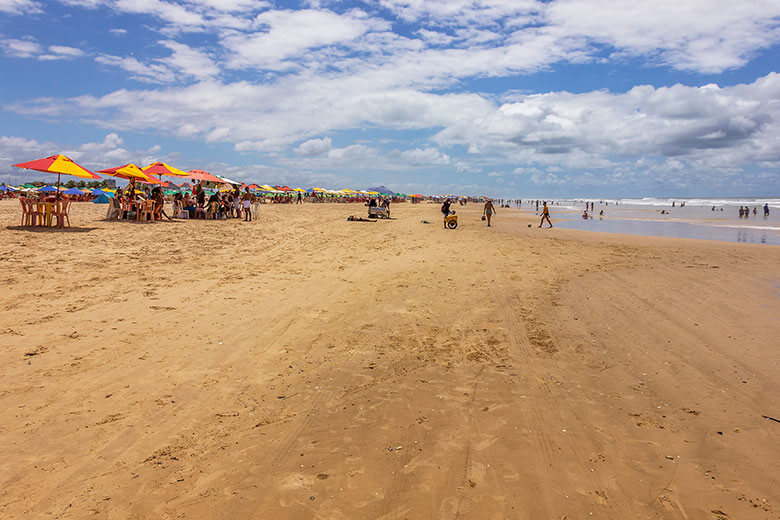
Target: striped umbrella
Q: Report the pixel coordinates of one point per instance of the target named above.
(60, 165)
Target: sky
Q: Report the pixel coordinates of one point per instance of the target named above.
(504, 98)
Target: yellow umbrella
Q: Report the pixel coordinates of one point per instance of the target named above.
(299, 189)
(128, 171)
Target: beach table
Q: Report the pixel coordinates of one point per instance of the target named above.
(37, 213)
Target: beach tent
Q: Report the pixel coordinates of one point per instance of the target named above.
(222, 178)
(102, 199)
(73, 191)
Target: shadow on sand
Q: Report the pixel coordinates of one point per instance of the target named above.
(37, 229)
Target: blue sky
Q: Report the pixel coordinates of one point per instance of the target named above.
(495, 97)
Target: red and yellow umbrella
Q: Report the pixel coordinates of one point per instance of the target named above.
(60, 165)
(160, 168)
(128, 172)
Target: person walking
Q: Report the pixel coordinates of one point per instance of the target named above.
(488, 211)
(545, 215)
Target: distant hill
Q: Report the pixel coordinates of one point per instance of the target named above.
(381, 189)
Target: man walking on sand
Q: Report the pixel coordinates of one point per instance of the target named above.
(488, 210)
(545, 215)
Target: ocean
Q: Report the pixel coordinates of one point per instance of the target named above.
(698, 218)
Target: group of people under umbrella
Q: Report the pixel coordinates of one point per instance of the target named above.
(133, 200)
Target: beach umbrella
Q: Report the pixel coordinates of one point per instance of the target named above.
(200, 175)
(60, 165)
(129, 172)
(160, 169)
(47, 189)
(73, 191)
(7, 188)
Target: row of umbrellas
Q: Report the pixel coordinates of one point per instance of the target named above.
(62, 165)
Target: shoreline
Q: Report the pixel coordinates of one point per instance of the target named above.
(302, 365)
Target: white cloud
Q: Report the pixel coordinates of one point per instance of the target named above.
(314, 148)
(20, 48)
(701, 35)
(285, 34)
(730, 123)
(65, 51)
(189, 61)
(29, 48)
(427, 156)
(19, 6)
(118, 32)
(93, 155)
(149, 73)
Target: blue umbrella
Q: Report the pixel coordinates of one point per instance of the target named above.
(47, 188)
(73, 191)
(7, 188)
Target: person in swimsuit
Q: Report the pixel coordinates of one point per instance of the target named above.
(545, 215)
(246, 202)
(488, 210)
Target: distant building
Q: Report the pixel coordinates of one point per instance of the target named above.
(111, 183)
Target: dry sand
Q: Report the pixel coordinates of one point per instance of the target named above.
(302, 366)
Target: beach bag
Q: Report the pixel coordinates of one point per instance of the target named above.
(483, 217)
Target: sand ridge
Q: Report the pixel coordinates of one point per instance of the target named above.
(302, 366)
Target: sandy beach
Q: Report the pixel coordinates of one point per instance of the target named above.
(302, 366)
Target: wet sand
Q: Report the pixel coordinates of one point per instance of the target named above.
(302, 366)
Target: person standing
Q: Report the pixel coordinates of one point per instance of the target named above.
(445, 210)
(246, 203)
(488, 211)
(766, 209)
(545, 215)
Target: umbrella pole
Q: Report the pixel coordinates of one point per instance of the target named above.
(58, 186)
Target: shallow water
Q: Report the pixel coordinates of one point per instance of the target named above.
(727, 232)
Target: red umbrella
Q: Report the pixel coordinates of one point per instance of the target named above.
(200, 175)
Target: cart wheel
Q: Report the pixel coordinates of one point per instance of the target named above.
(452, 224)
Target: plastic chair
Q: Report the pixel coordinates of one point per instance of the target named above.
(114, 210)
(60, 211)
(179, 211)
(25, 211)
(34, 213)
(146, 211)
